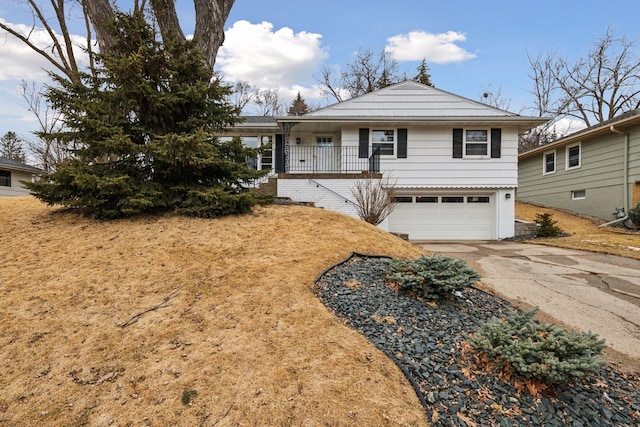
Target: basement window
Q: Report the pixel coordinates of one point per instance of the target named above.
(578, 194)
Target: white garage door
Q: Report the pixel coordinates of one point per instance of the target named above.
(444, 217)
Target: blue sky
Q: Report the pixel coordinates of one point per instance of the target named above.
(470, 46)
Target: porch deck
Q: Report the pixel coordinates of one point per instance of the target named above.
(330, 160)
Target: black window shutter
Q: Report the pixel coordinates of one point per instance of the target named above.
(279, 153)
(363, 151)
(496, 143)
(402, 143)
(457, 143)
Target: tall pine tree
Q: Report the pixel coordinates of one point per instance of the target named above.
(144, 133)
(298, 107)
(423, 75)
(11, 147)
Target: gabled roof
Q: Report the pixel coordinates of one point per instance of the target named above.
(617, 124)
(411, 101)
(18, 166)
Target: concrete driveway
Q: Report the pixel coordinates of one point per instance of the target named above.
(584, 290)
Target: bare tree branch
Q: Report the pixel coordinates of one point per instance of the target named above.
(367, 72)
(60, 61)
(592, 89)
(47, 152)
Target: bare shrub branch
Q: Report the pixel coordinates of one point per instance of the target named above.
(374, 198)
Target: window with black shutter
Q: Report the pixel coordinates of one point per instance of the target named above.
(477, 143)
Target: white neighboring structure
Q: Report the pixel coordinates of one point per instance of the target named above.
(11, 173)
(454, 160)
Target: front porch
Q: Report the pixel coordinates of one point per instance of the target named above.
(329, 159)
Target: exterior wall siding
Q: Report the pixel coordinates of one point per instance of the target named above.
(634, 166)
(505, 213)
(430, 161)
(600, 175)
(16, 189)
(332, 194)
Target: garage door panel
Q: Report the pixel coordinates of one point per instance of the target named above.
(444, 221)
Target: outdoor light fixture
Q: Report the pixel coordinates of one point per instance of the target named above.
(298, 141)
(508, 195)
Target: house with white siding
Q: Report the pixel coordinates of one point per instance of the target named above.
(11, 173)
(594, 172)
(453, 161)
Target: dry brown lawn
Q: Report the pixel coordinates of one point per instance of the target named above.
(110, 323)
(584, 233)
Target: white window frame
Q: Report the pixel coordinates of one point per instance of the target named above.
(394, 142)
(544, 162)
(486, 144)
(569, 147)
(575, 197)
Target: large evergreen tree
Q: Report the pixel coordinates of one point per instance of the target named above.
(143, 130)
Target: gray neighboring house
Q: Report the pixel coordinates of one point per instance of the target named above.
(11, 173)
(592, 172)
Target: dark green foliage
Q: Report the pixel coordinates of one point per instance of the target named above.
(546, 226)
(634, 215)
(215, 203)
(423, 75)
(143, 132)
(11, 147)
(187, 395)
(298, 107)
(433, 277)
(539, 351)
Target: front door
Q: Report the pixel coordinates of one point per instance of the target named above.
(323, 159)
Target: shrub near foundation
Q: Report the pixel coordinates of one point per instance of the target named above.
(433, 277)
(539, 351)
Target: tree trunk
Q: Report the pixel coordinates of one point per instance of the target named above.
(165, 12)
(101, 15)
(211, 16)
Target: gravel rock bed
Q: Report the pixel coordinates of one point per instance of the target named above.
(424, 340)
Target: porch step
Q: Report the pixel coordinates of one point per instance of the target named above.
(269, 187)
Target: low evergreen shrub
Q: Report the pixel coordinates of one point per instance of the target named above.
(634, 215)
(547, 226)
(539, 351)
(433, 277)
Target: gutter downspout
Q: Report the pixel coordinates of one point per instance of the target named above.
(625, 174)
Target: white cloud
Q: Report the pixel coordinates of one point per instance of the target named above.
(567, 126)
(267, 58)
(19, 61)
(436, 48)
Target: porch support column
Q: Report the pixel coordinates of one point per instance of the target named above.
(286, 132)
